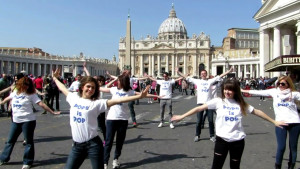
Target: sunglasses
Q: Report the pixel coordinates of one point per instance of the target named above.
(282, 84)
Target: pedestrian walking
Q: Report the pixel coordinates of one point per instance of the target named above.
(230, 109)
(285, 109)
(24, 120)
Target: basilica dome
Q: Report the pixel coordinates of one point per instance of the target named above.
(172, 27)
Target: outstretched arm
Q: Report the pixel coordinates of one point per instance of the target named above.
(264, 116)
(85, 69)
(5, 100)
(60, 86)
(112, 102)
(45, 107)
(10, 88)
(224, 74)
(177, 118)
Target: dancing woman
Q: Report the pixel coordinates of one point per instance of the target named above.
(24, 120)
(284, 97)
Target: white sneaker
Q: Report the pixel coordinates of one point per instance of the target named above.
(105, 166)
(160, 125)
(116, 164)
(172, 126)
(26, 166)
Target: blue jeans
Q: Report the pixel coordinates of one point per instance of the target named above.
(113, 127)
(210, 116)
(93, 149)
(281, 135)
(15, 130)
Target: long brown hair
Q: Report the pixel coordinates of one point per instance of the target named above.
(233, 85)
(25, 85)
(84, 81)
(124, 82)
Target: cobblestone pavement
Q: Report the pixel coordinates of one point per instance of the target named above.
(148, 146)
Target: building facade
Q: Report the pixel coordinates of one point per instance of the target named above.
(171, 48)
(240, 50)
(279, 37)
(37, 62)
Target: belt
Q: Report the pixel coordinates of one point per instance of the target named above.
(95, 139)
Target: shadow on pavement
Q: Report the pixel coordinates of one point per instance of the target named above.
(51, 139)
(157, 159)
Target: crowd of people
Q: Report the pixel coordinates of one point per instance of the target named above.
(89, 112)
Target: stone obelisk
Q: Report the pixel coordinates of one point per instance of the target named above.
(127, 64)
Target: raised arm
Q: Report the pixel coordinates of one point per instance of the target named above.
(151, 78)
(109, 75)
(108, 85)
(85, 69)
(112, 102)
(178, 79)
(264, 116)
(177, 118)
(224, 74)
(60, 86)
(181, 74)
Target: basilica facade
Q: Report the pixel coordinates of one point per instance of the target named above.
(171, 48)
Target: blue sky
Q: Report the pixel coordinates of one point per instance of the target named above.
(94, 27)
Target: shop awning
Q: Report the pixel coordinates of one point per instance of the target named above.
(283, 63)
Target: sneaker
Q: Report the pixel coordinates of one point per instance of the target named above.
(134, 124)
(105, 166)
(172, 126)
(197, 138)
(2, 162)
(116, 164)
(44, 112)
(24, 143)
(26, 166)
(160, 125)
(213, 139)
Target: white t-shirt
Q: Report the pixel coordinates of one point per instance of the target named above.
(119, 111)
(203, 88)
(74, 86)
(83, 116)
(229, 119)
(166, 88)
(22, 106)
(284, 104)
